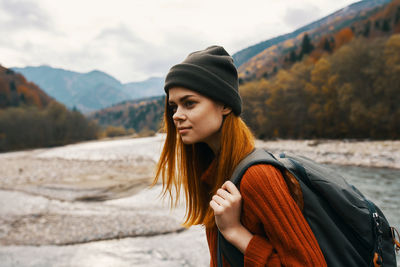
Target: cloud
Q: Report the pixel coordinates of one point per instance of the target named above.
(117, 50)
(133, 40)
(23, 14)
(118, 33)
(157, 58)
(134, 58)
(298, 17)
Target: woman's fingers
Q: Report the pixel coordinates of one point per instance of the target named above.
(224, 194)
(217, 208)
(220, 200)
(225, 198)
(231, 188)
(229, 192)
(226, 204)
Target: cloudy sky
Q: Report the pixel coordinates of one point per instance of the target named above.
(135, 39)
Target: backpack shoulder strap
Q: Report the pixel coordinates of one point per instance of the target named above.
(257, 156)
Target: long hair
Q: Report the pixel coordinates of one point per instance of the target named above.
(181, 166)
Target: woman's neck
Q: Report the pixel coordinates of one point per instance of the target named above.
(214, 142)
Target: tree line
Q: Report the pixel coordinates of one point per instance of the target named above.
(30, 126)
(29, 118)
(143, 117)
(351, 93)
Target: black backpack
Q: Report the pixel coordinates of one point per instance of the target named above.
(350, 230)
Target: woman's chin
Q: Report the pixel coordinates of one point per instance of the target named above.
(187, 141)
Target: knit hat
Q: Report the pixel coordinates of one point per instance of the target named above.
(210, 72)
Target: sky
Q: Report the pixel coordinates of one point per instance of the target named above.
(133, 40)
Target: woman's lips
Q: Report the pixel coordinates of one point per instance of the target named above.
(183, 130)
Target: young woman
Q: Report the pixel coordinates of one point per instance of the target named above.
(205, 140)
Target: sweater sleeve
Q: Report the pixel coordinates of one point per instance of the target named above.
(290, 241)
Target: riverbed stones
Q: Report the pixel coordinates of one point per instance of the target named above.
(64, 229)
(99, 190)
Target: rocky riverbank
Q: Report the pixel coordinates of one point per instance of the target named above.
(35, 220)
(59, 196)
(99, 190)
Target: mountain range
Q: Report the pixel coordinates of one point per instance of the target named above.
(269, 52)
(89, 91)
(336, 18)
(96, 90)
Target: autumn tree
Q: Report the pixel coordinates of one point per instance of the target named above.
(306, 46)
(367, 29)
(386, 25)
(352, 93)
(343, 37)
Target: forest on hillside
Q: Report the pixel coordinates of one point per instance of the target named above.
(142, 116)
(351, 93)
(15, 91)
(29, 118)
(382, 21)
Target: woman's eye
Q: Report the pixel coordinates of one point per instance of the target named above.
(186, 104)
(173, 109)
(189, 103)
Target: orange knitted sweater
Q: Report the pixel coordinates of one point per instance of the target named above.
(282, 237)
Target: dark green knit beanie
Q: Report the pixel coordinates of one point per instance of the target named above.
(210, 72)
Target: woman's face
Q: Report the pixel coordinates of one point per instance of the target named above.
(196, 117)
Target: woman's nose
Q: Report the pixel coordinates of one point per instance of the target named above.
(178, 115)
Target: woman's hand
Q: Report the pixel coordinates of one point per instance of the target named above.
(227, 204)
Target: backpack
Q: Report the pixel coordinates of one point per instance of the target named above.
(350, 229)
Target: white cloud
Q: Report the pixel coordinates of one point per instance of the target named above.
(23, 14)
(135, 39)
(298, 17)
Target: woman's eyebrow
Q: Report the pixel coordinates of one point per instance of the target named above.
(181, 99)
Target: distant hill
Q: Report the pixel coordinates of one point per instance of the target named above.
(16, 91)
(88, 91)
(350, 93)
(141, 114)
(29, 118)
(370, 19)
(153, 86)
(338, 19)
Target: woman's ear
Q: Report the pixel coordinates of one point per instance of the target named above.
(226, 110)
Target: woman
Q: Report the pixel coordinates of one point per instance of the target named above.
(205, 140)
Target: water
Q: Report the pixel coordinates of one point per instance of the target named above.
(187, 248)
(380, 185)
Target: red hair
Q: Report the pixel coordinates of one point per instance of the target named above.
(181, 166)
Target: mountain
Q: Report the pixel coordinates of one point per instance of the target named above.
(29, 118)
(334, 20)
(16, 91)
(340, 80)
(153, 86)
(140, 114)
(88, 91)
(370, 19)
